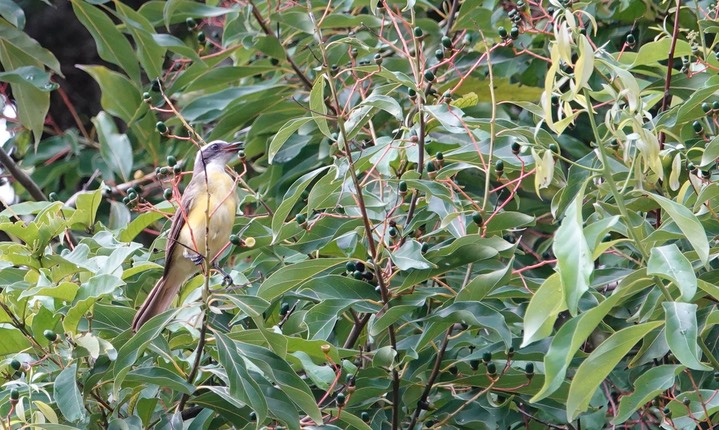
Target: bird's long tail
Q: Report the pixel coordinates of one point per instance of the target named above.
(160, 298)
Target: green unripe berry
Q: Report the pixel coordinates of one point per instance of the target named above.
(15, 364)
(477, 218)
(300, 218)
(359, 266)
(50, 335)
(667, 412)
(354, 53)
(515, 148)
(167, 194)
(350, 380)
(411, 92)
(499, 166)
(284, 308)
(514, 32)
(417, 32)
(14, 394)
(439, 156)
(52, 196)
(631, 40)
(125, 200)
(429, 75)
(553, 148)
(439, 54)
(164, 170)
(161, 128)
(502, 32)
(392, 232)
(350, 267)
(430, 167)
(402, 186)
(131, 195)
(378, 59)
(491, 368)
(358, 275)
(365, 416)
(235, 240)
(425, 247)
(686, 401)
(191, 24)
(487, 357)
(529, 368)
(156, 85)
(340, 399)
(474, 364)
(706, 107)
(171, 161)
(177, 169)
(715, 105)
(201, 37)
(146, 97)
(446, 42)
(697, 126)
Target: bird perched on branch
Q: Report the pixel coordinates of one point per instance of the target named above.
(188, 245)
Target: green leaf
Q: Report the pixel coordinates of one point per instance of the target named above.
(687, 223)
(112, 45)
(115, 148)
(161, 377)
(30, 75)
(546, 303)
(242, 386)
(291, 197)
(12, 36)
(669, 263)
(150, 54)
(409, 256)
(574, 259)
(281, 136)
(13, 13)
(318, 108)
(600, 363)
(13, 340)
(647, 387)
(292, 276)
(67, 395)
(681, 333)
(120, 97)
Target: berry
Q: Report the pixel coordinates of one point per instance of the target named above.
(14, 394)
(284, 308)
(359, 266)
(392, 232)
(514, 32)
(439, 156)
(146, 97)
(474, 364)
(50, 335)
(515, 148)
(201, 37)
(167, 194)
(350, 266)
(156, 85)
(477, 218)
(411, 92)
(429, 75)
(430, 167)
(171, 161)
(365, 416)
(553, 148)
(698, 128)
(425, 247)
(235, 240)
(446, 42)
(15, 364)
(706, 107)
(253, 416)
(502, 32)
(439, 54)
(340, 399)
(358, 275)
(177, 169)
(715, 105)
(529, 368)
(417, 32)
(378, 59)
(631, 40)
(350, 380)
(487, 357)
(52, 196)
(499, 166)
(402, 186)
(686, 401)
(300, 218)
(161, 128)
(491, 368)
(191, 24)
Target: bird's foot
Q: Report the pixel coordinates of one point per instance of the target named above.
(196, 258)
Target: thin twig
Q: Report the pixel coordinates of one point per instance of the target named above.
(432, 378)
(670, 66)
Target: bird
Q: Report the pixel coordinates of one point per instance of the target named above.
(187, 246)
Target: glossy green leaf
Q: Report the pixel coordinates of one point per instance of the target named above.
(681, 333)
(546, 303)
(293, 275)
(115, 148)
(600, 363)
(120, 97)
(67, 394)
(669, 263)
(647, 387)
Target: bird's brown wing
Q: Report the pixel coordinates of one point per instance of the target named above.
(178, 220)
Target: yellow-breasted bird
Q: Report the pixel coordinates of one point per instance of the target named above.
(187, 243)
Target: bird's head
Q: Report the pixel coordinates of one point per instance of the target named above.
(216, 153)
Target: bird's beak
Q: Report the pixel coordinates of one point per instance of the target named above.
(233, 147)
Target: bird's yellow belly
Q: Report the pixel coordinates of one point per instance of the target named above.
(222, 207)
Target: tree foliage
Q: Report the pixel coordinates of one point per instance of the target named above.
(473, 214)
